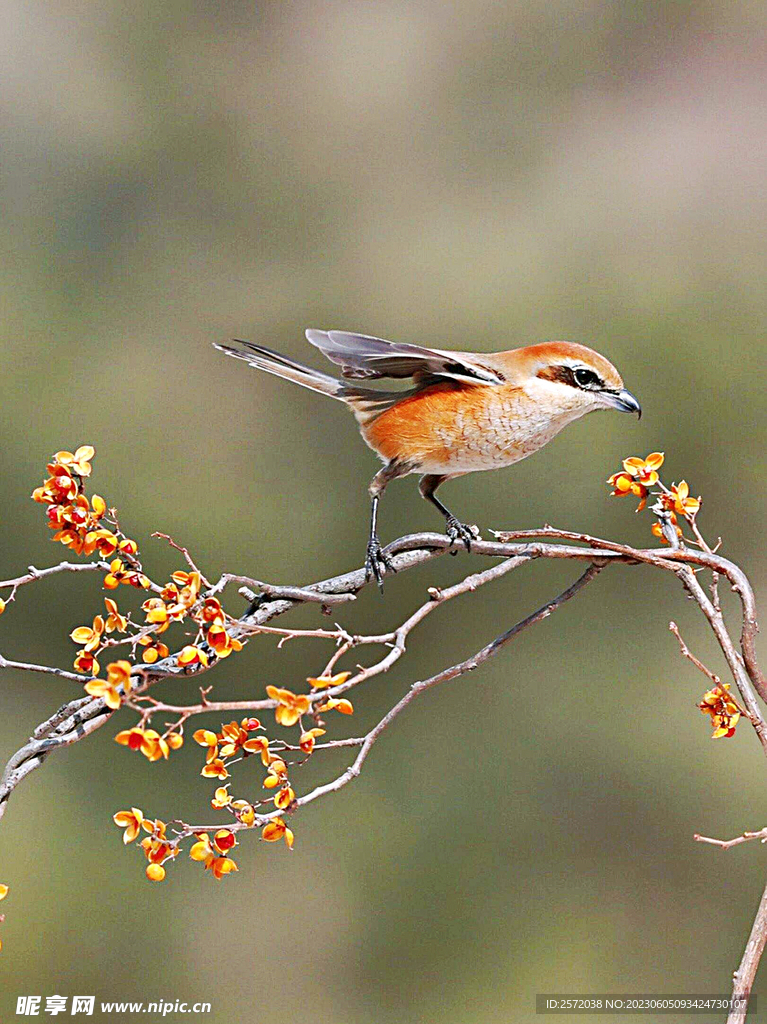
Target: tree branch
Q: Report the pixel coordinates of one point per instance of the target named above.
(414, 550)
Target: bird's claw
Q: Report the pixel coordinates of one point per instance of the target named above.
(461, 532)
(377, 562)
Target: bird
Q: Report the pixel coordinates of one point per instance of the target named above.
(465, 411)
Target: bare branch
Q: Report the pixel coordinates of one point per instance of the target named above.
(187, 557)
(34, 574)
(686, 653)
(23, 666)
(743, 979)
(291, 593)
(726, 844)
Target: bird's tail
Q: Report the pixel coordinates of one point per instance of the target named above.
(272, 362)
(364, 402)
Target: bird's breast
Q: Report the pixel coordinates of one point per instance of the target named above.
(455, 428)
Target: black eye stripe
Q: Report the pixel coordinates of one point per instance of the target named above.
(578, 377)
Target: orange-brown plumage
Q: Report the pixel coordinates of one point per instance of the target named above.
(422, 428)
(466, 411)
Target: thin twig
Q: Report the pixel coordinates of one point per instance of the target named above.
(726, 844)
(34, 574)
(50, 670)
(687, 653)
(187, 557)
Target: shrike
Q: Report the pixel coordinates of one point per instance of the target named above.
(466, 411)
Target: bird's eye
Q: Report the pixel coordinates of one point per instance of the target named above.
(586, 378)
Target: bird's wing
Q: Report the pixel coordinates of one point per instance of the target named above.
(360, 356)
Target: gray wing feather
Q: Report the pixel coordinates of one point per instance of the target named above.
(363, 357)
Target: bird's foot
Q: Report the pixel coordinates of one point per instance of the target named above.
(461, 532)
(377, 562)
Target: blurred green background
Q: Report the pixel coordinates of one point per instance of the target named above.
(469, 175)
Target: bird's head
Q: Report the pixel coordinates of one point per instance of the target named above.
(572, 379)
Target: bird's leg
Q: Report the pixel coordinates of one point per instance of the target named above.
(454, 529)
(377, 562)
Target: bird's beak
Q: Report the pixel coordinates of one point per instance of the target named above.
(624, 401)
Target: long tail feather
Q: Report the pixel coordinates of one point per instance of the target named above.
(365, 403)
(272, 362)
